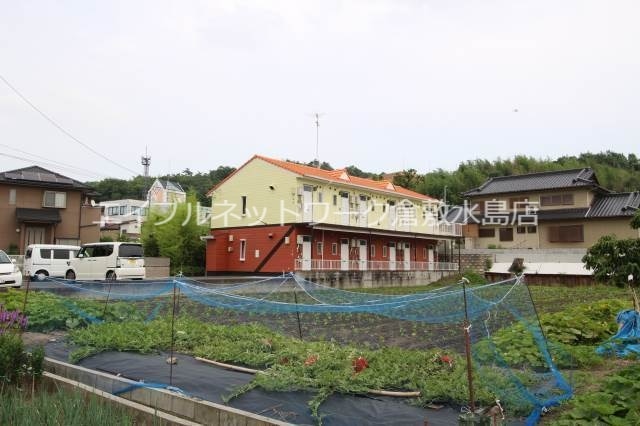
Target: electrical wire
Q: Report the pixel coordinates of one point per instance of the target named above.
(48, 164)
(39, 158)
(62, 129)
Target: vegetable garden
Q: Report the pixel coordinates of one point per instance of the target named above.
(299, 336)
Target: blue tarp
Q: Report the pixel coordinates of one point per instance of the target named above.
(627, 340)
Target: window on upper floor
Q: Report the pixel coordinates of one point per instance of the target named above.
(54, 199)
(113, 211)
(565, 199)
(517, 202)
(123, 210)
(12, 196)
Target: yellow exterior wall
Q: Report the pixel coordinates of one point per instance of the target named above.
(581, 198)
(284, 203)
(593, 229)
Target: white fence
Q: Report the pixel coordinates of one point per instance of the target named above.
(372, 265)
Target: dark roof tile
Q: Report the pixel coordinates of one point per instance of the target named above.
(536, 182)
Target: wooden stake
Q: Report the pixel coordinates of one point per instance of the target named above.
(467, 347)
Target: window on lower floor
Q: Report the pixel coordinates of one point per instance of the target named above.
(384, 251)
(373, 251)
(486, 232)
(424, 253)
(566, 234)
(521, 229)
(532, 229)
(334, 249)
(243, 250)
(506, 234)
(319, 247)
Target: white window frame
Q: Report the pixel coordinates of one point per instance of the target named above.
(59, 200)
(243, 250)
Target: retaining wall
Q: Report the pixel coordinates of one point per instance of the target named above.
(190, 409)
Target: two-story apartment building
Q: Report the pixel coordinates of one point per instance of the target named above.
(41, 206)
(125, 216)
(273, 216)
(558, 209)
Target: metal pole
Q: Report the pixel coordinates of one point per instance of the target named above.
(295, 297)
(26, 294)
(173, 334)
(467, 347)
(106, 303)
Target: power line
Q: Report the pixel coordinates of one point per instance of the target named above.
(76, 169)
(62, 129)
(48, 164)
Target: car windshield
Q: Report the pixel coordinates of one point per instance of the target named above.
(4, 258)
(130, 250)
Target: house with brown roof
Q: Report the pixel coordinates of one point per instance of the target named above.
(274, 216)
(41, 206)
(557, 209)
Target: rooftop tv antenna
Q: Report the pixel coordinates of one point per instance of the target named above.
(317, 121)
(146, 161)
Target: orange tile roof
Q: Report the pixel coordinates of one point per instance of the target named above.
(338, 176)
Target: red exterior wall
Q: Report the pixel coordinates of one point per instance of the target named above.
(269, 241)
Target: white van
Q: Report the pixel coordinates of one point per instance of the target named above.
(110, 261)
(47, 260)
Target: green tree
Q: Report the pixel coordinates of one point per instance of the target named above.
(613, 260)
(635, 222)
(175, 233)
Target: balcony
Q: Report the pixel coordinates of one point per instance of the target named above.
(372, 265)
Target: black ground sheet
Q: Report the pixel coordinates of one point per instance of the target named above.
(209, 382)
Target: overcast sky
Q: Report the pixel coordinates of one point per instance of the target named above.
(401, 83)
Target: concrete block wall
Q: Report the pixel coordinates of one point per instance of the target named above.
(193, 411)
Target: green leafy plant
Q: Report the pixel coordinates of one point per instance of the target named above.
(617, 402)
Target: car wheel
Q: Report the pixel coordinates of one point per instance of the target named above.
(40, 276)
(70, 275)
(111, 276)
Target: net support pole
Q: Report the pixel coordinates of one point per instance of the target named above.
(173, 334)
(26, 295)
(467, 347)
(106, 302)
(295, 298)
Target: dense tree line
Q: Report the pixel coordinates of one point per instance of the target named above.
(615, 171)
(198, 183)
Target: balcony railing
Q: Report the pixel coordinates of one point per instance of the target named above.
(372, 265)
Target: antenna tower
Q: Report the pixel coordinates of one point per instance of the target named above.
(145, 161)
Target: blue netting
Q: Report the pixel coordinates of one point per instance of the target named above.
(532, 383)
(627, 340)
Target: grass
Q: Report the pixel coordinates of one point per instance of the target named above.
(58, 408)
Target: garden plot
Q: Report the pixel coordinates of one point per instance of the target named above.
(318, 342)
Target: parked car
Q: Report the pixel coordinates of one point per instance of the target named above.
(48, 260)
(10, 275)
(111, 261)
